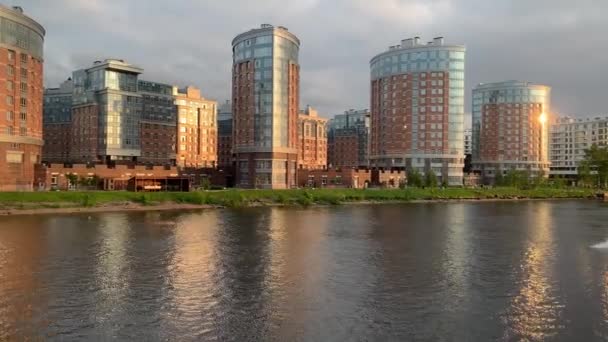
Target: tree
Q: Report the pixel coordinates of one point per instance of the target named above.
(430, 179)
(499, 180)
(414, 178)
(594, 167)
(72, 179)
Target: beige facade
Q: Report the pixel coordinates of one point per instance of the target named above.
(196, 128)
(312, 139)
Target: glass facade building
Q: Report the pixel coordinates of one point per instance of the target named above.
(265, 89)
(112, 86)
(417, 108)
(510, 128)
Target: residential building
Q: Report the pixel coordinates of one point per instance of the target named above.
(312, 140)
(106, 113)
(569, 138)
(265, 102)
(21, 59)
(196, 128)
(468, 151)
(347, 139)
(510, 128)
(224, 135)
(57, 121)
(417, 108)
(468, 141)
(158, 124)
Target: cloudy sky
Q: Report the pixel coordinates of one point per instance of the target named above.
(561, 43)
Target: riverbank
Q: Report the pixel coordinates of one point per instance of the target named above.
(13, 203)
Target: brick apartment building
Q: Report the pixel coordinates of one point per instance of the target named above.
(312, 140)
(347, 139)
(265, 106)
(21, 60)
(510, 128)
(158, 124)
(196, 128)
(417, 108)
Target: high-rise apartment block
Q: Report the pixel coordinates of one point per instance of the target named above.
(510, 128)
(224, 135)
(568, 140)
(312, 140)
(21, 59)
(158, 124)
(265, 102)
(57, 120)
(417, 108)
(106, 113)
(348, 139)
(197, 128)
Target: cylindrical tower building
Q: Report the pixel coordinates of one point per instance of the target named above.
(510, 128)
(265, 102)
(21, 60)
(417, 108)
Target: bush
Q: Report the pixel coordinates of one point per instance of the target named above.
(430, 179)
(414, 178)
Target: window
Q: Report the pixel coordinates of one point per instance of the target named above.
(23, 131)
(23, 102)
(14, 157)
(11, 56)
(10, 70)
(23, 116)
(9, 130)
(9, 85)
(10, 116)
(23, 87)
(23, 59)
(23, 74)
(10, 100)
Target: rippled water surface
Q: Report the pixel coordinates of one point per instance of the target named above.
(440, 272)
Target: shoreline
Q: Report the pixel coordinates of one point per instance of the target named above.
(137, 207)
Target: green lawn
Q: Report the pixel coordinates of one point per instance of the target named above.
(243, 198)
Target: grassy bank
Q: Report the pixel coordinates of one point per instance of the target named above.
(243, 198)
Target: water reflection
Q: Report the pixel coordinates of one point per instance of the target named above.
(535, 311)
(461, 271)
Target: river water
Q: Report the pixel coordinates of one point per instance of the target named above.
(441, 272)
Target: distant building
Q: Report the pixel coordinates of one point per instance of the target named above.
(57, 121)
(197, 128)
(312, 140)
(569, 138)
(21, 60)
(468, 150)
(417, 108)
(224, 135)
(348, 139)
(158, 125)
(468, 141)
(106, 113)
(265, 102)
(510, 128)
